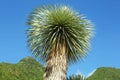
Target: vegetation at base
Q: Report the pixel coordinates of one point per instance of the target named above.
(26, 69)
(105, 73)
(76, 77)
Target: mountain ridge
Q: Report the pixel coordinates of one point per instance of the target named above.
(30, 69)
(105, 73)
(26, 69)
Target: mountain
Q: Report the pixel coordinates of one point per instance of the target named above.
(27, 69)
(105, 73)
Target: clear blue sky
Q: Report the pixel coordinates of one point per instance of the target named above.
(105, 45)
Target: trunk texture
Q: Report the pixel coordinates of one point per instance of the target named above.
(56, 64)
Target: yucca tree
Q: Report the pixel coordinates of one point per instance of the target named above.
(58, 35)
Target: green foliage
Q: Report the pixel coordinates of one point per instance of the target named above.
(76, 77)
(26, 69)
(105, 73)
(30, 69)
(55, 25)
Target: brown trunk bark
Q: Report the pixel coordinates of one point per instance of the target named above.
(56, 65)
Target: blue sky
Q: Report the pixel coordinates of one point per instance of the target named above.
(105, 45)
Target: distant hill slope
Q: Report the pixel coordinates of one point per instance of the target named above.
(29, 69)
(105, 73)
(26, 69)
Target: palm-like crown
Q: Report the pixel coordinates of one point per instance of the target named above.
(54, 25)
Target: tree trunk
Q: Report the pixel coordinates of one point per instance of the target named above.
(56, 64)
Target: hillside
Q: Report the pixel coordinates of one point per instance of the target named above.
(105, 73)
(26, 69)
(29, 69)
